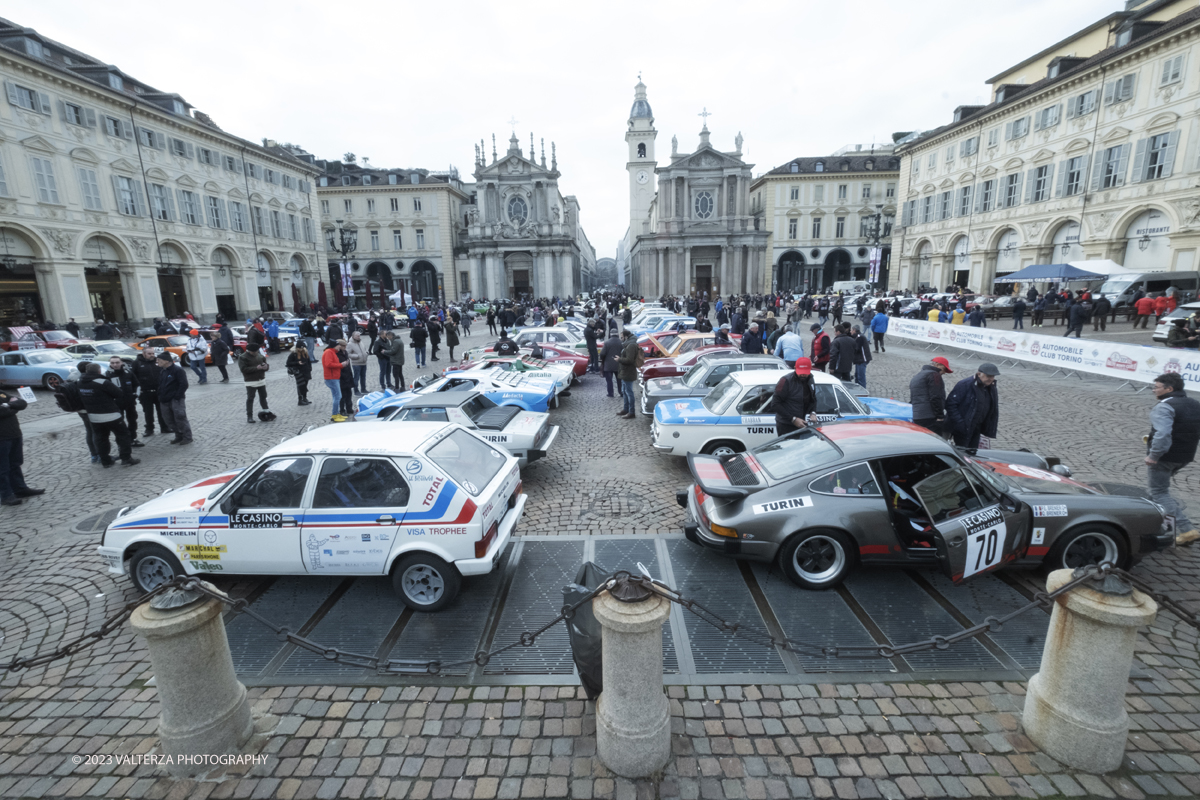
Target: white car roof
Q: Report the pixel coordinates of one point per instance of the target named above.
(360, 439)
(760, 377)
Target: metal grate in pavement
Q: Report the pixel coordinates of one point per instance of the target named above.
(535, 598)
(716, 583)
(820, 618)
(453, 634)
(95, 524)
(1022, 638)
(290, 602)
(618, 554)
(357, 623)
(905, 613)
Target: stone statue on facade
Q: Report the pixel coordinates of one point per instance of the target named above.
(674, 146)
(737, 141)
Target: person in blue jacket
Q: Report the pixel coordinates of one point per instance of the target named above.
(973, 407)
(879, 325)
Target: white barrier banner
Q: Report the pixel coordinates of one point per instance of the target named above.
(1131, 362)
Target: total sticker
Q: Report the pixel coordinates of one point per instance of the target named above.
(1039, 535)
(1049, 511)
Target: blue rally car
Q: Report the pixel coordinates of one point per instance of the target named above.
(736, 415)
(502, 388)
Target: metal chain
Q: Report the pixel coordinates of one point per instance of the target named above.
(481, 658)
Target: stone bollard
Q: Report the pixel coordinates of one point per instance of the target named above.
(204, 710)
(633, 716)
(1075, 704)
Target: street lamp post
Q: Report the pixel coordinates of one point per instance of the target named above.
(343, 242)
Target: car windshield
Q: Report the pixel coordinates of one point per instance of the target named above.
(795, 454)
(48, 357)
(695, 376)
(470, 461)
(722, 395)
(1112, 287)
(665, 342)
(56, 336)
(681, 359)
(177, 341)
(113, 348)
(476, 406)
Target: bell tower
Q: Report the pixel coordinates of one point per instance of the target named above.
(643, 183)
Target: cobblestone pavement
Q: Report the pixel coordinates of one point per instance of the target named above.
(755, 741)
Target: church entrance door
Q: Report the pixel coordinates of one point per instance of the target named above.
(521, 287)
(704, 280)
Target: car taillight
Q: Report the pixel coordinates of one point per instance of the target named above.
(700, 498)
(481, 547)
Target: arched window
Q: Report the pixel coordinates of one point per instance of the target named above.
(641, 151)
(820, 166)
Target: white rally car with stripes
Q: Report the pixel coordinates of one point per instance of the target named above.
(425, 508)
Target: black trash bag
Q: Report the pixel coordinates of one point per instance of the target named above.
(584, 629)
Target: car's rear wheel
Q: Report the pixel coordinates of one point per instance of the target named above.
(425, 582)
(1088, 545)
(817, 559)
(151, 566)
(51, 381)
(723, 447)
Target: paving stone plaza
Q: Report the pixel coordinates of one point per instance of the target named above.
(746, 724)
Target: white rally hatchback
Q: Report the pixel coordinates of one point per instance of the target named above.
(426, 508)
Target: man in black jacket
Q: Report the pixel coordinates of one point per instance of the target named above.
(148, 375)
(927, 395)
(590, 335)
(1100, 312)
(795, 399)
(973, 407)
(102, 402)
(123, 377)
(841, 353)
(752, 343)
(1171, 446)
(12, 455)
(172, 389)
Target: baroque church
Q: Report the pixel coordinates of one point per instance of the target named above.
(523, 238)
(691, 229)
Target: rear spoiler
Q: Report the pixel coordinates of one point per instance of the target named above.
(710, 475)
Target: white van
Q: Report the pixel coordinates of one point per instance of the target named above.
(851, 287)
(1120, 289)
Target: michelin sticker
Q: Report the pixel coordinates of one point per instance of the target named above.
(783, 505)
(1049, 511)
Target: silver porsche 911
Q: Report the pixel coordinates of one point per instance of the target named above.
(821, 500)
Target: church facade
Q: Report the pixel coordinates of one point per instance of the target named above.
(523, 238)
(691, 227)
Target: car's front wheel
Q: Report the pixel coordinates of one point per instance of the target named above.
(722, 448)
(152, 566)
(1088, 545)
(817, 559)
(425, 582)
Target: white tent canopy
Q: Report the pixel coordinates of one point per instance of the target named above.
(401, 299)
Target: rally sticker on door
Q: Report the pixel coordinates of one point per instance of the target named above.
(985, 540)
(1049, 511)
(256, 520)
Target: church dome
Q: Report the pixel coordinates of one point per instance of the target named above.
(641, 106)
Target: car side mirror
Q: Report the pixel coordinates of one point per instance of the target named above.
(1009, 503)
(227, 505)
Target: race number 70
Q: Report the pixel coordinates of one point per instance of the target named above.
(985, 549)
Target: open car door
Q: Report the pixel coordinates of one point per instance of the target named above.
(975, 528)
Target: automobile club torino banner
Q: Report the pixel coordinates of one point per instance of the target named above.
(1116, 360)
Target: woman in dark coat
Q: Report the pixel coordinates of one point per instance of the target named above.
(451, 336)
(299, 366)
(219, 351)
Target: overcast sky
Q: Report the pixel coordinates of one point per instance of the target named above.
(416, 84)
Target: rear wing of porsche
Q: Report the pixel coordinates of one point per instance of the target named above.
(733, 477)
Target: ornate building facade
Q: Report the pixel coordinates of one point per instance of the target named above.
(1097, 158)
(691, 228)
(522, 238)
(407, 223)
(822, 213)
(120, 201)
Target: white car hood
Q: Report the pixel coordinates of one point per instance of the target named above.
(182, 502)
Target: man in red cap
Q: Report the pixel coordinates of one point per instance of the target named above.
(795, 400)
(927, 394)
